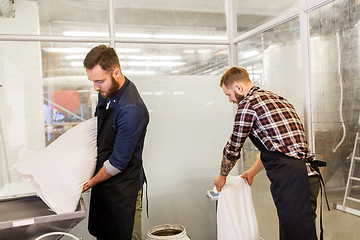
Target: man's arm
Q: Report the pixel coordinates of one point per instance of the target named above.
(101, 176)
(244, 121)
(226, 166)
(255, 169)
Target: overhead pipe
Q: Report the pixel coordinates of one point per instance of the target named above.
(6, 9)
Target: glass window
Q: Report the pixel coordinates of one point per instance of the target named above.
(58, 17)
(89, 19)
(69, 97)
(335, 97)
(251, 14)
(44, 92)
(335, 89)
(172, 59)
(170, 19)
(273, 60)
(21, 105)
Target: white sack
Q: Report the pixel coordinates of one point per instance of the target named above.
(59, 171)
(236, 219)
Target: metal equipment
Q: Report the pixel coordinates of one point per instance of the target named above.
(29, 217)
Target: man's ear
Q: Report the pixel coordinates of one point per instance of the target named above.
(116, 73)
(238, 88)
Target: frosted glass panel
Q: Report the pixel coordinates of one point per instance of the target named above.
(186, 19)
(172, 59)
(273, 60)
(190, 122)
(251, 14)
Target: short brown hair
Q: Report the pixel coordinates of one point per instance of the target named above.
(105, 56)
(233, 74)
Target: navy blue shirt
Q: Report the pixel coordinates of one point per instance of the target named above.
(131, 118)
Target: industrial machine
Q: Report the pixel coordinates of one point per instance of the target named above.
(28, 217)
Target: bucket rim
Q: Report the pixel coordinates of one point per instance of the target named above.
(167, 227)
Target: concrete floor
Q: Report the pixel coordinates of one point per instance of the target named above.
(339, 224)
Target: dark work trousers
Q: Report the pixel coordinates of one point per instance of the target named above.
(314, 184)
(291, 194)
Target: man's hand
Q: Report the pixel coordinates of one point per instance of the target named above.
(101, 176)
(219, 182)
(255, 169)
(87, 186)
(248, 176)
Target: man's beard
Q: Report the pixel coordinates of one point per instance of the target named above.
(239, 98)
(113, 89)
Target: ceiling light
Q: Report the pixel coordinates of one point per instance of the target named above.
(193, 51)
(86, 34)
(142, 35)
(72, 57)
(77, 64)
(202, 37)
(67, 50)
(204, 51)
(155, 57)
(250, 54)
(133, 35)
(133, 72)
(155, 64)
(146, 93)
(188, 51)
(128, 50)
(178, 93)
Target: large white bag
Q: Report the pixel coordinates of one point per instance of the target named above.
(236, 219)
(59, 171)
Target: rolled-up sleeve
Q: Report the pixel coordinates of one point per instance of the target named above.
(244, 121)
(130, 123)
(110, 169)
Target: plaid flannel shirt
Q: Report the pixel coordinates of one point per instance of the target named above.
(273, 120)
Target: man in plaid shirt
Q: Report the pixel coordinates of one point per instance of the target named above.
(274, 127)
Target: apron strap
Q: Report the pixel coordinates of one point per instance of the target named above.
(122, 90)
(146, 192)
(316, 164)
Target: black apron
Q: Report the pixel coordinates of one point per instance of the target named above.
(112, 202)
(291, 194)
